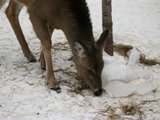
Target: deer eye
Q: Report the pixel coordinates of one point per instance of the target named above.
(90, 77)
(91, 71)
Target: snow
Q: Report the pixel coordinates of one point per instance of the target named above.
(23, 91)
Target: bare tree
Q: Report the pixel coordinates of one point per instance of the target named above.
(107, 24)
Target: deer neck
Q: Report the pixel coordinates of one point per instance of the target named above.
(73, 33)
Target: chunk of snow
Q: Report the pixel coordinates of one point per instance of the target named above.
(146, 87)
(119, 89)
(134, 56)
(117, 72)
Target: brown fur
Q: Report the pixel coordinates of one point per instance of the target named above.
(72, 17)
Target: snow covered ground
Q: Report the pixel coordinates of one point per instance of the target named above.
(131, 90)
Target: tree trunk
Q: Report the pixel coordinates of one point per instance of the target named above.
(107, 24)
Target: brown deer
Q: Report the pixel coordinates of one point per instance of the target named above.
(72, 17)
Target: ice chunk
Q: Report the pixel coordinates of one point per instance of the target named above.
(119, 89)
(146, 87)
(117, 72)
(134, 56)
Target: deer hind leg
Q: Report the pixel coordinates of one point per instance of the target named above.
(12, 13)
(42, 60)
(2, 2)
(42, 32)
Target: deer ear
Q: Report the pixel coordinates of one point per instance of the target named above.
(78, 49)
(102, 40)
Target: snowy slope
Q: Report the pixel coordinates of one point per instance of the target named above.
(24, 95)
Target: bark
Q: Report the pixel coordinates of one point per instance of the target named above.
(107, 24)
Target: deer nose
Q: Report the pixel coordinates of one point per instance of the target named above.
(98, 92)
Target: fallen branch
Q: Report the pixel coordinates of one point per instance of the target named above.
(148, 62)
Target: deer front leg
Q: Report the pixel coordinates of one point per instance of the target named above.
(12, 13)
(42, 60)
(42, 32)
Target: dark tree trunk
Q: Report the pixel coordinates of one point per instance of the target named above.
(107, 24)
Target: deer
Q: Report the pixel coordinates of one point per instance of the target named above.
(73, 18)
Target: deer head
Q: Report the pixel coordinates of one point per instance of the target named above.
(89, 62)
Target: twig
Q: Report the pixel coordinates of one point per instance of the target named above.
(149, 101)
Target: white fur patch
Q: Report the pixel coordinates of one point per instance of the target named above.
(78, 49)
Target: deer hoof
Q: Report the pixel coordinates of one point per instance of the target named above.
(43, 68)
(57, 89)
(54, 86)
(33, 60)
(98, 93)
